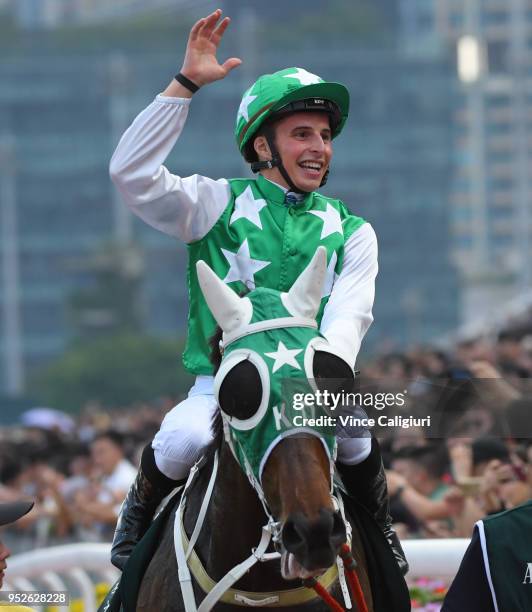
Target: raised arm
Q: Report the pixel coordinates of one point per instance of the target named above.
(186, 208)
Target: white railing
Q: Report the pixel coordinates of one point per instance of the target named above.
(434, 558)
(76, 568)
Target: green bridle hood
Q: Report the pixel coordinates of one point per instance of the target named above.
(278, 334)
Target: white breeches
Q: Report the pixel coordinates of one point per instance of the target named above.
(186, 431)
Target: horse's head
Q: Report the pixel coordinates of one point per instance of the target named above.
(273, 354)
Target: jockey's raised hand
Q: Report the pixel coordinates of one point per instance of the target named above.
(201, 65)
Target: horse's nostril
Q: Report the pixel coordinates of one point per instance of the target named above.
(314, 544)
(338, 534)
(293, 539)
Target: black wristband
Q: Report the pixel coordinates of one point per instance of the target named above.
(182, 79)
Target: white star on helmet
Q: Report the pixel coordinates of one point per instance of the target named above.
(243, 109)
(304, 77)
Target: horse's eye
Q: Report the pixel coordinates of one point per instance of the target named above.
(240, 393)
(331, 373)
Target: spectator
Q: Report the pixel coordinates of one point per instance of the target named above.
(502, 486)
(97, 506)
(424, 468)
(494, 478)
(423, 490)
(491, 386)
(511, 353)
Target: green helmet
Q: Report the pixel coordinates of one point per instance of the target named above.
(272, 92)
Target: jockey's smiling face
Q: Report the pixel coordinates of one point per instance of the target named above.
(305, 145)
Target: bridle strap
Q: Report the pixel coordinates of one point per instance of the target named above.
(233, 575)
(183, 572)
(204, 507)
(260, 326)
(275, 599)
(185, 578)
(237, 572)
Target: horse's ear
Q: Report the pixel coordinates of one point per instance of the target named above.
(304, 297)
(229, 310)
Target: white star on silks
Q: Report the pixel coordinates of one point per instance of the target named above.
(244, 106)
(330, 276)
(284, 356)
(246, 207)
(242, 267)
(303, 76)
(331, 221)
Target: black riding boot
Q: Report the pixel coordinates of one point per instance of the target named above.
(366, 482)
(151, 486)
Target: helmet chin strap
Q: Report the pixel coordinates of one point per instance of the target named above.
(277, 162)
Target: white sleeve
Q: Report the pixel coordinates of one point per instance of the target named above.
(347, 315)
(186, 208)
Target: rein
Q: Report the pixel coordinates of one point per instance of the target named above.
(187, 560)
(350, 563)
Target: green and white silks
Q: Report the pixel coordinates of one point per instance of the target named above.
(276, 332)
(260, 242)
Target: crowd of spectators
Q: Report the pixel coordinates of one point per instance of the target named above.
(78, 471)
(475, 459)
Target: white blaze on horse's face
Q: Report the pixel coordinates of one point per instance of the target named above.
(269, 341)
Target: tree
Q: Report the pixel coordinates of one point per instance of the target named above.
(115, 371)
(112, 301)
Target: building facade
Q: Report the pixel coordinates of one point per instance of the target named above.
(491, 198)
(60, 119)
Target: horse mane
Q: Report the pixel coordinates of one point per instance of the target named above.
(215, 356)
(217, 432)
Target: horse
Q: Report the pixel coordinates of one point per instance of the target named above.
(258, 516)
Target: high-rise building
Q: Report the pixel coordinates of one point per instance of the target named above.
(62, 118)
(52, 14)
(398, 170)
(491, 196)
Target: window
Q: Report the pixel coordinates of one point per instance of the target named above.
(495, 17)
(456, 19)
(498, 101)
(498, 57)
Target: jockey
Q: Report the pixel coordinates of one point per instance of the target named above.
(251, 232)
